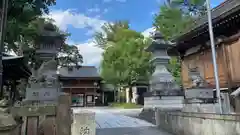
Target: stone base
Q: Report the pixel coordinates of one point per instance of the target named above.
(164, 102)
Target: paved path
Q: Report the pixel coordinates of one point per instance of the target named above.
(115, 122)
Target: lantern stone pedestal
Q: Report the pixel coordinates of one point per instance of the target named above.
(44, 86)
(164, 93)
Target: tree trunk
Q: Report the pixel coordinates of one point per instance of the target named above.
(130, 94)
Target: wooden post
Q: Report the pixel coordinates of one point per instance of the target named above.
(226, 65)
(64, 115)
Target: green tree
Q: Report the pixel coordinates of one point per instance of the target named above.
(190, 7)
(24, 24)
(175, 69)
(70, 55)
(177, 16)
(107, 37)
(126, 62)
(20, 13)
(171, 22)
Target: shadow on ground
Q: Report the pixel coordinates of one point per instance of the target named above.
(131, 131)
(145, 114)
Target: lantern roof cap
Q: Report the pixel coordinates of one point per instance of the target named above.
(159, 43)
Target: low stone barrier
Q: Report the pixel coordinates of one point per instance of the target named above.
(187, 123)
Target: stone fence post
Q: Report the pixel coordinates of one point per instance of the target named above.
(64, 115)
(83, 123)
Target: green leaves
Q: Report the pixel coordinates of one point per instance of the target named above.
(20, 15)
(170, 22)
(70, 55)
(125, 62)
(24, 26)
(175, 69)
(177, 18)
(108, 36)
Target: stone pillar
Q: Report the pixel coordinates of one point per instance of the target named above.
(83, 123)
(64, 115)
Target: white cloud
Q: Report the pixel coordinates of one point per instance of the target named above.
(147, 32)
(92, 55)
(77, 20)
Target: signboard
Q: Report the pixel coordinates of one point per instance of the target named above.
(42, 94)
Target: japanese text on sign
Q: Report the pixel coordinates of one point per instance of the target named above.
(84, 131)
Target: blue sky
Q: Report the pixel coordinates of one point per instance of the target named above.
(83, 17)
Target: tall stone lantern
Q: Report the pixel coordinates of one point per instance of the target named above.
(163, 88)
(49, 42)
(43, 84)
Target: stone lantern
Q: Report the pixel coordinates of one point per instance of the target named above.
(43, 84)
(49, 42)
(162, 83)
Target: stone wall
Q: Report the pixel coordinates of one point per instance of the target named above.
(183, 123)
(201, 108)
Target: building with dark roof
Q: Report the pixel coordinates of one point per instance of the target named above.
(83, 83)
(15, 69)
(194, 48)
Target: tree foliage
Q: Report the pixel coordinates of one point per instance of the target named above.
(190, 7)
(126, 62)
(178, 16)
(107, 36)
(175, 69)
(24, 23)
(69, 55)
(171, 22)
(20, 13)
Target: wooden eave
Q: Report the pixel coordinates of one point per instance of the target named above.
(220, 12)
(14, 68)
(225, 19)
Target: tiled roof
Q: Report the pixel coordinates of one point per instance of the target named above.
(81, 72)
(221, 11)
